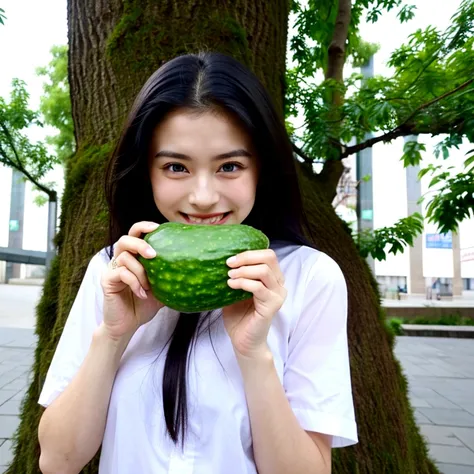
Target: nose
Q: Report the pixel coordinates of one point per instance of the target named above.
(203, 195)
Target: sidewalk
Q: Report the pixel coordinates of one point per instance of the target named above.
(440, 373)
(16, 358)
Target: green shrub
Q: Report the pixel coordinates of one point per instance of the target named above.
(395, 326)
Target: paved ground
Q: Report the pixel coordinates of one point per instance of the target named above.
(17, 305)
(16, 358)
(414, 301)
(440, 373)
(441, 379)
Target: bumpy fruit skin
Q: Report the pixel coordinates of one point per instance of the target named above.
(189, 273)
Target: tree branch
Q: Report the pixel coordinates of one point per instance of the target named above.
(436, 99)
(337, 47)
(302, 154)
(19, 166)
(333, 169)
(404, 128)
(12, 146)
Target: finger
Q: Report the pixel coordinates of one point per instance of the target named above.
(255, 257)
(124, 275)
(260, 272)
(133, 245)
(125, 259)
(142, 227)
(257, 288)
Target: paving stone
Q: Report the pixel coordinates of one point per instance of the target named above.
(6, 454)
(17, 338)
(26, 362)
(452, 454)
(8, 425)
(5, 369)
(423, 392)
(466, 435)
(448, 417)
(420, 418)
(455, 469)
(20, 395)
(12, 407)
(7, 379)
(441, 402)
(419, 403)
(469, 407)
(17, 384)
(6, 395)
(440, 435)
(461, 398)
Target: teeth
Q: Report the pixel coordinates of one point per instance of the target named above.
(210, 220)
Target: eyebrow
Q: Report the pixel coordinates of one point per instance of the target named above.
(231, 154)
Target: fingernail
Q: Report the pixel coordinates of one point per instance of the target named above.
(231, 260)
(153, 225)
(231, 273)
(150, 252)
(143, 293)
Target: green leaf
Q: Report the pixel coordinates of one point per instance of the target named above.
(40, 200)
(396, 237)
(406, 13)
(445, 153)
(469, 161)
(55, 103)
(435, 181)
(412, 155)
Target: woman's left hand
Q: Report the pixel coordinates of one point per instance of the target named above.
(248, 322)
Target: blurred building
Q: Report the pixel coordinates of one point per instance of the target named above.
(437, 264)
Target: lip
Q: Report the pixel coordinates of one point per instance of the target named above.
(207, 216)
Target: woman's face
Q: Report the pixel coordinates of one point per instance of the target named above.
(203, 169)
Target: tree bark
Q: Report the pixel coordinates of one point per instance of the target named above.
(114, 47)
(333, 167)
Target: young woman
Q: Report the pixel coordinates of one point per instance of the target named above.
(259, 386)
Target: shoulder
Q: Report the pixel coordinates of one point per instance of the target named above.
(97, 264)
(306, 266)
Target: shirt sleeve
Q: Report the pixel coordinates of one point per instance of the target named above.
(317, 374)
(85, 316)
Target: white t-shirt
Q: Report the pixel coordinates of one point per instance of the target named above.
(308, 340)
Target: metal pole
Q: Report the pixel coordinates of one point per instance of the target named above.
(365, 201)
(17, 210)
(52, 217)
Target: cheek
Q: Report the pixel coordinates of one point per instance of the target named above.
(243, 190)
(165, 191)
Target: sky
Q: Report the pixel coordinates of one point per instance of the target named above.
(32, 27)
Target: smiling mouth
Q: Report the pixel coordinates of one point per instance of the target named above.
(216, 220)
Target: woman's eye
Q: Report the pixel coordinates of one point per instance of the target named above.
(176, 167)
(229, 167)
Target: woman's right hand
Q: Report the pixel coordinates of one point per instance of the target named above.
(128, 300)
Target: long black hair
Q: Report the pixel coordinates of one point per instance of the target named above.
(202, 82)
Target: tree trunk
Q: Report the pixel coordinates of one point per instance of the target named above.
(114, 47)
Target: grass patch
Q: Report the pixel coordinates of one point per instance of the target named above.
(395, 324)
